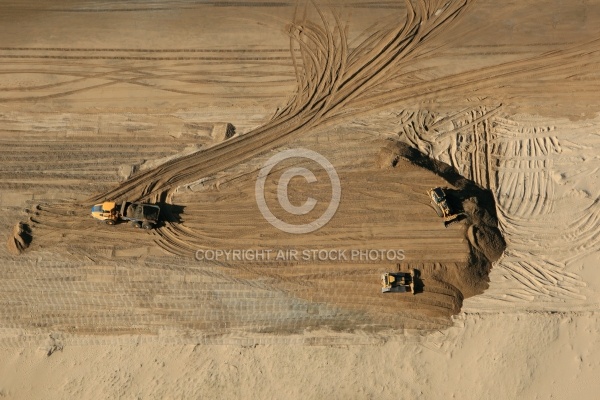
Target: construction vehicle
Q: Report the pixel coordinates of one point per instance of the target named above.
(139, 215)
(399, 282)
(439, 202)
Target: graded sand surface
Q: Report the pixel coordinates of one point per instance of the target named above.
(182, 103)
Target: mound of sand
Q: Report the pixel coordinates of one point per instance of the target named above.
(487, 240)
(483, 233)
(20, 238)
(477, 203)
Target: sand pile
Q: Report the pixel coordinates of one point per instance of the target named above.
(483, 233)
(477, 205)
(222, 131)
(20, 238)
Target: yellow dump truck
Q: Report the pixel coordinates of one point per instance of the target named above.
(139, 215)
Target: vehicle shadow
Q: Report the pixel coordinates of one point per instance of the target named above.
(418, 284)
(169, 213)
(465, 188)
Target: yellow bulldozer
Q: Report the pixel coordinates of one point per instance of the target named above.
(439, 202)
(399, 282)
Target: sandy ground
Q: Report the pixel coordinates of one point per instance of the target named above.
(132, 101)
(501, 355)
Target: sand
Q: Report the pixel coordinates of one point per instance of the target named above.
(182, 103)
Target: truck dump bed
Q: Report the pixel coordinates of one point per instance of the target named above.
(141, 212)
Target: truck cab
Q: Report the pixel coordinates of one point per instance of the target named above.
(106, 211)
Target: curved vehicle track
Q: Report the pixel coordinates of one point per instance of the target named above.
(335, 82)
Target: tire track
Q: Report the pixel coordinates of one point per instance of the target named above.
(138, 50)
(333, 80)
(323, 87)
(521, 161)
